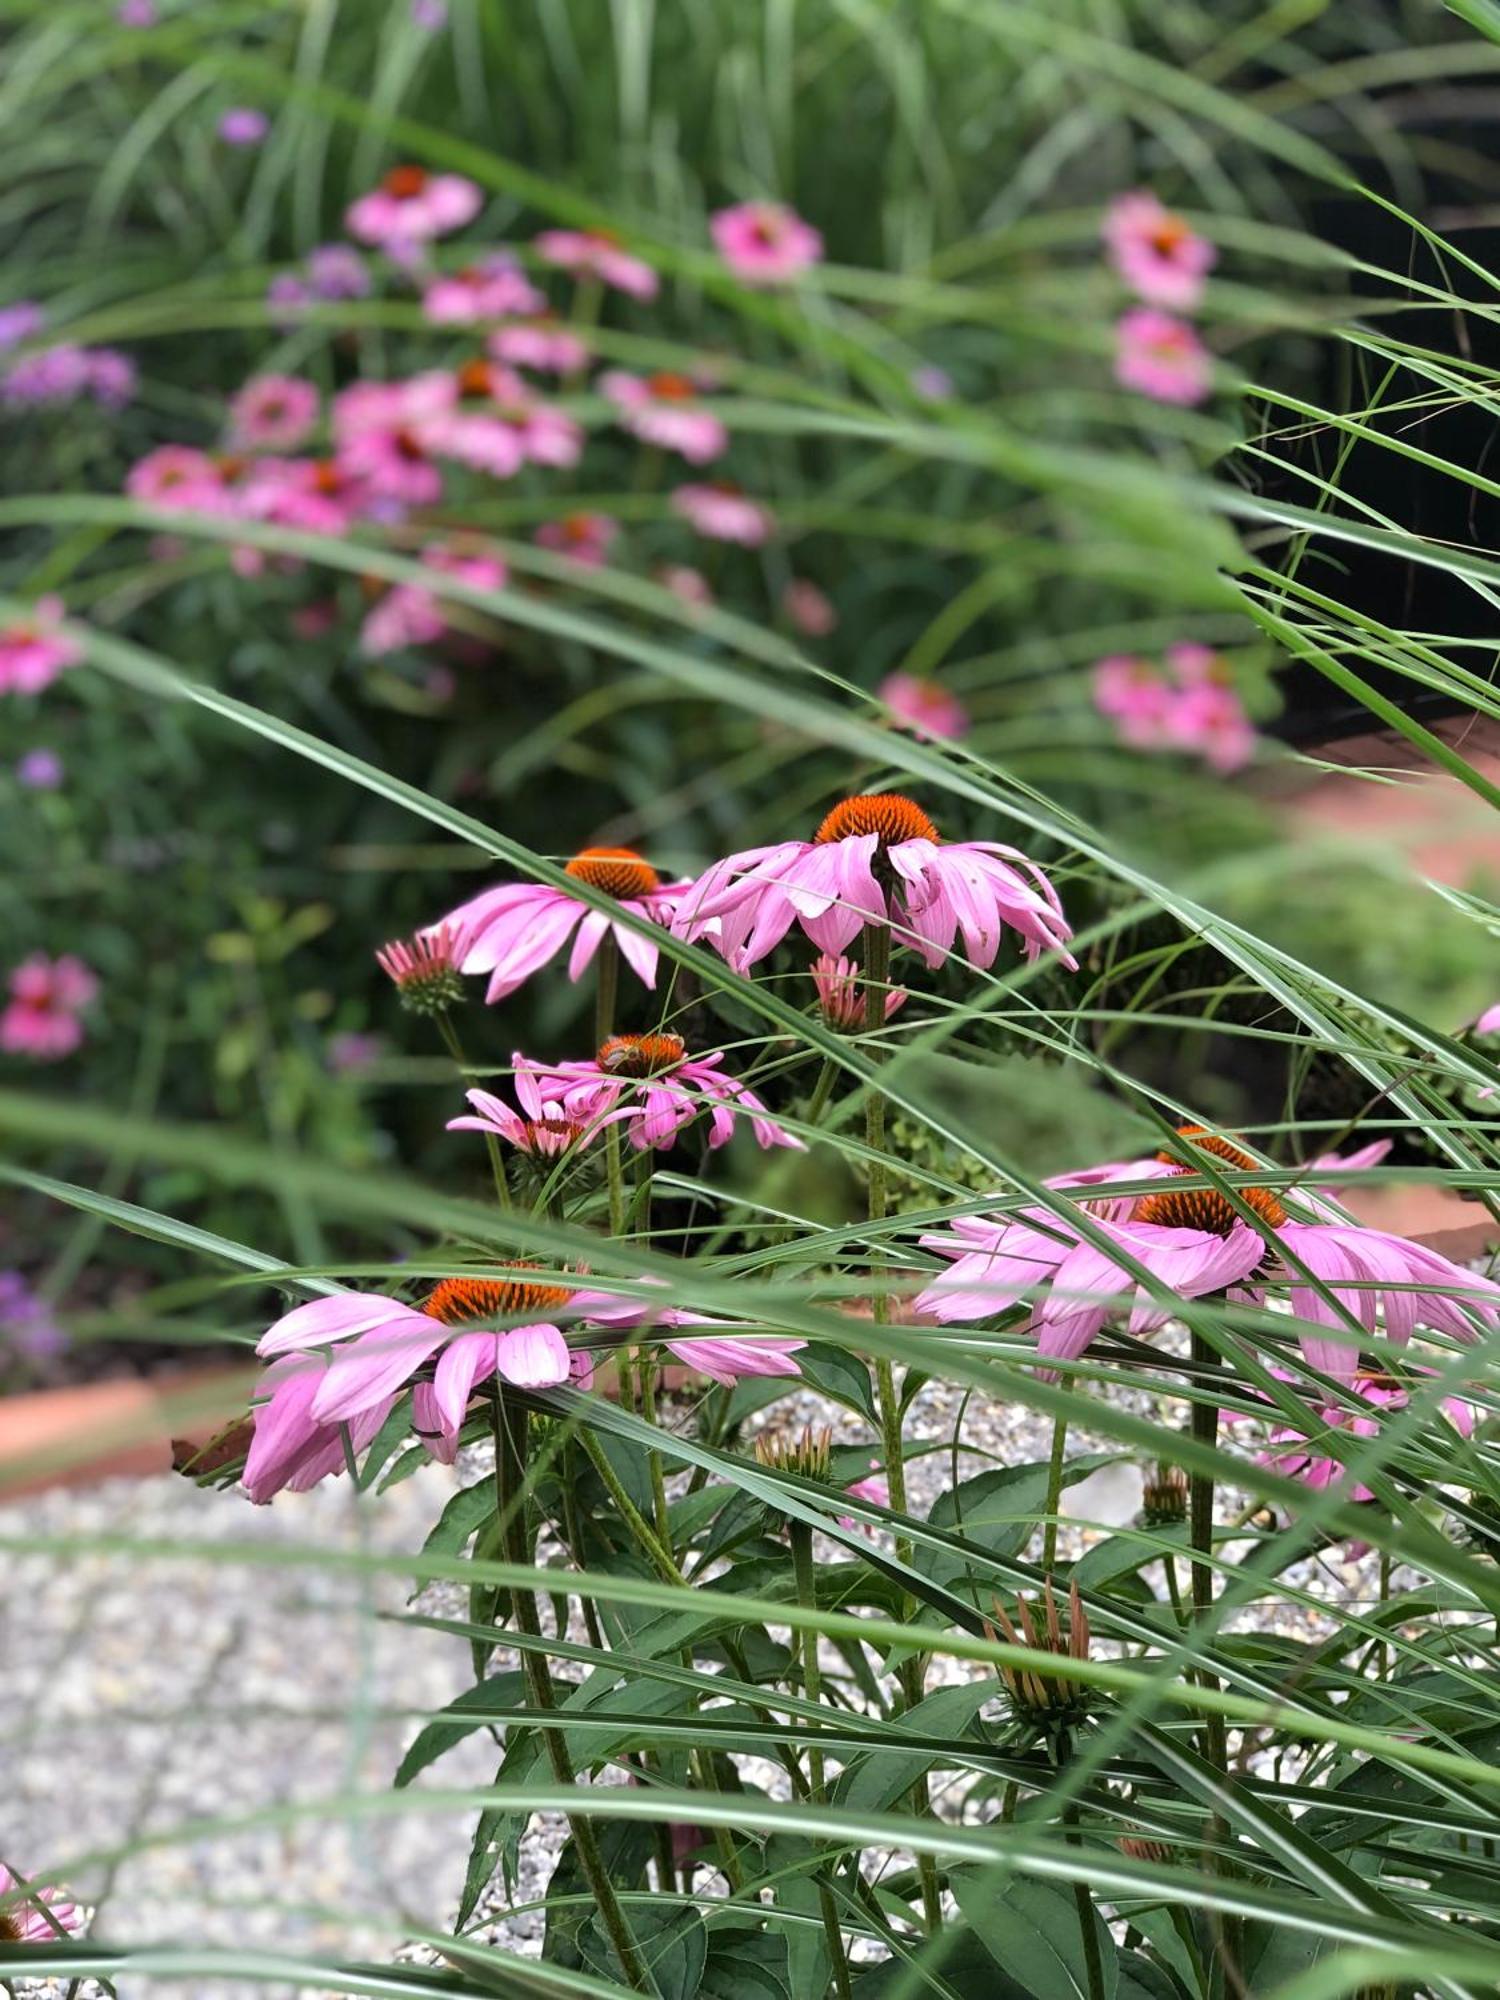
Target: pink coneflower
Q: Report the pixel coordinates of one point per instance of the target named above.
(723, 1356)
(874, 1487)
(20, 321)
(412, 615)
(583, 538)
(808, 609)
(841, 996)
(689, 586)
(291, 1451)
(426, 969)
(487, 289)
(40, 771)
(47, 997)
(1157, 254)
(383, 439)
(1133, 695)
(515, 930)
(273, 413)
(31, 1913)
(665, 410)
(34, 650)
(718, 510)
(411, 206)
(1489, 1021)
(1195, 1241)
(918, 703)
(651, 1085)
(1210, 720)
(1162, 357)
(488, 417)
(595, 253)
(546, 1124)
(764, 242)
(541, 342)
(242, 125)
(1291, 1448)
(876, 859)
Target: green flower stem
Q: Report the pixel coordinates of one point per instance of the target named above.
(1054, 1493)
(510, 1491)
(817, 1104)
(607, 967)
(455, 1049)
(876, 965)
(1084, 1904)
(1205, 1430)
(812, 1687)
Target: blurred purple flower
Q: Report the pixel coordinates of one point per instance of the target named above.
(136, 13)
(243, 125)
(28, 1327)
(351, 1053)
(430, 14)
(40, 771)
(20, 321)
(64, 374)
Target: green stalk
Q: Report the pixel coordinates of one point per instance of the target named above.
(822, 1090)
(1054, 1493)
(812, 1687)
(1083, 1903)
(607, 964)
(876, 965)
(1205, 1430)
(510, 1498)
(455, 1049)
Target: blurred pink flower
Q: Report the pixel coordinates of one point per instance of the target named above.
(513, 931)
(411, 615)
(1155, 251)
(1161, 357)
(936, 384)
(487, 289)
(540, 341)
(666, 410)
(490, 418)
(353, 1051)
(40, 771)
(765, 242)
(663, 1090)
(136, 13)
(242, 125)
(808, 609)
(429, 15)
(22, 1922)
(177, 475)
(920, 705)
(273, 413)
(47, 997)
(411, 206)
(841, 997)
(1489, 1021)
(34, 650)
(583, 538)
(595, 253)
(20, 321)
(691, 586)
(1211, 720)
(746, 904)
(719, 511)
(384, 442)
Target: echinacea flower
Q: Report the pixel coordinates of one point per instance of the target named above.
(490, 418)
(1195, 1241)
(919, 704)
(291, 1450)
(47, 997)
(1489, 1021)
(273, 413)
(718, 510)
(765, 242)
(666, 410)
(595, 253)
(718, 1349)
(1159, 256)
(34, 650)
(546, 1125)
(31, 1913)
(1292, 1448)
(876, 859)
(583, 538)
(654, 1088)
(487, 289)
(513, 931)
(1211, 721)
(409, 614)
(243, 125)
(177, 475)
(689, 586)
(411, 206)
(540, 341)
(426, 969)
(383, 439)
(808, 609)
(1161, 357)
(841, 996)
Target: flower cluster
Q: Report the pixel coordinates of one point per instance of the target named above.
(1193, 705)
(1164, 262)
(60, 373)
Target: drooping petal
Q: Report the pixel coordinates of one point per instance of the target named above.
(533, 1357)
(468, 1358)
(726, 1358)
(340, 1316)
(377, 1364)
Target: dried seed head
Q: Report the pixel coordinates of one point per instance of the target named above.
(1141, 1847)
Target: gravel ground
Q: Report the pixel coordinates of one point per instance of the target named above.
(139, 1697)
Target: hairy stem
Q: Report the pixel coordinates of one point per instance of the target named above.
(1054, 1493)
(812, 1687)
(1205, 1430)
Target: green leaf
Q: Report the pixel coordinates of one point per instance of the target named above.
(1031, 1931)
(673, 1943)
(746, 1964)
(880, 1779)
(997, 1511)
